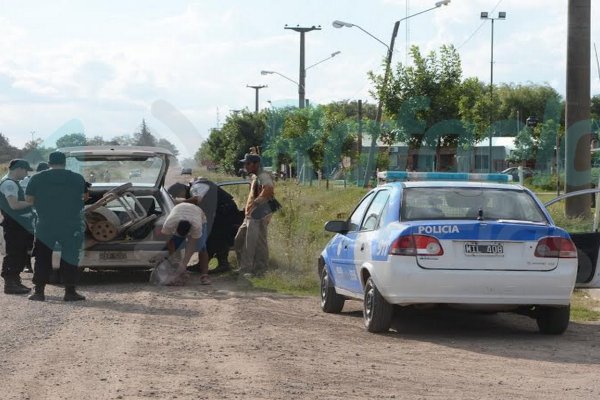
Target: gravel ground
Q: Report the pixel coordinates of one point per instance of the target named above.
(131, 340)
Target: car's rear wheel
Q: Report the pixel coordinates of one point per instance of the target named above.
(553, 320)
(331, 302)
(377, 312)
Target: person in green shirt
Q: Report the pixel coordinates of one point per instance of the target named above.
(58, 196)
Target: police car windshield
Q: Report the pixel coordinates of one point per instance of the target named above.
(117, 170)
(433, 203)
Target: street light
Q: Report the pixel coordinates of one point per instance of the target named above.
(263, 72)
(335, 53)
(501, 16)
(388, 63)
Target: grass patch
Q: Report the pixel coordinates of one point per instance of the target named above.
(584, 308)
(304, 286)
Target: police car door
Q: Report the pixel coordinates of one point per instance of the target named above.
(584, 233)
(366, 240)
(344, 271)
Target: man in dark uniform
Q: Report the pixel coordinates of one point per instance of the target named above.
(58, 196)
(18, 227)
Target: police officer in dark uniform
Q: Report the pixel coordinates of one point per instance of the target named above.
(58, 196)
(18, 227)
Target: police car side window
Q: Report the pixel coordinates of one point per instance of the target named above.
(372, 217)
(356, 218)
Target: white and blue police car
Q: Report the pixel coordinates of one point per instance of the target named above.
(453, 241)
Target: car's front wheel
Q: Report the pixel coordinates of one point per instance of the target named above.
(331, 302)
(553, 320)
(377, 312)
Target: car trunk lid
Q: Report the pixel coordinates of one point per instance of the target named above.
(486, 245)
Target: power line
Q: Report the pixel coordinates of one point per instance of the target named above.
(479, 27)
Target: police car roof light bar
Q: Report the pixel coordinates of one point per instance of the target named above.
(391, 176)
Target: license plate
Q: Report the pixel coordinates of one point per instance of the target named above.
(112, 256)
(484, 249)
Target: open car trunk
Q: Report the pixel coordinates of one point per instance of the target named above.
(127, 205)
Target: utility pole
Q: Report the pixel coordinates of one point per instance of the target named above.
(359, 140)
(256, 89)
(577, 114)
(302, 80)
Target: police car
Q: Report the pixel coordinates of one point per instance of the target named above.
(457, 242)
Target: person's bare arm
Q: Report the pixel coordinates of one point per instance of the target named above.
(18, 204)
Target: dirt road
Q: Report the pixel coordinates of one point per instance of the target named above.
(131, 340)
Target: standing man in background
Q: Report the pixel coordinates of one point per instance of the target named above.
(18, 227)
(58, 196)
(251, 244)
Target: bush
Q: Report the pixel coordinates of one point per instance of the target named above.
(544, 182)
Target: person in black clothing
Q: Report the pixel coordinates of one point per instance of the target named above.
(18, 227)
(227, 220)
(58, 196)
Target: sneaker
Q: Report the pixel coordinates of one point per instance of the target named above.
(205, 280)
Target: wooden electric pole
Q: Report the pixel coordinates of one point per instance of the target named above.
(577, 113)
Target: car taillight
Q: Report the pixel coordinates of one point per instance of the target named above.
(556, 247)
(412, 245)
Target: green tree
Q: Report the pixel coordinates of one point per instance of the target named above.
(203, 156)
(239, 132)
(96, 141)
(72, 140)
(144, 137)
(35, 152)
(424, 99)
(165, 144)
(123, 140)
(7, 151)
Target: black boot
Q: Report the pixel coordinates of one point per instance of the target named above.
(38, 293)
(12, 285)
(20, 284)
(72, 295)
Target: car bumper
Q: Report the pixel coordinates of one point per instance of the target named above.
(116, 259)
(410, 284)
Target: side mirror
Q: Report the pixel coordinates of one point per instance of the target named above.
(337, 226)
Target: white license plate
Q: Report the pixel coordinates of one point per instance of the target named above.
(112, 256)
(484, 249)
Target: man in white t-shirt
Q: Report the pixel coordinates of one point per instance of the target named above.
(18, 227)
(186, 223)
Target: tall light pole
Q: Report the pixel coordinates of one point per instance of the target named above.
(302, 80)
(256, 89)
(386, 76)
(265, 72)
(501, 16)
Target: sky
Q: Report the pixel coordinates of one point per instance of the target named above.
(100, 67)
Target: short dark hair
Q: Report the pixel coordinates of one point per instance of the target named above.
(183, 228)
(179, 190)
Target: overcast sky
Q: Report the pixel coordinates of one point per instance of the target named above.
(99, 67)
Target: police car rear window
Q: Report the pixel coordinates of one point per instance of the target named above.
(433, 203)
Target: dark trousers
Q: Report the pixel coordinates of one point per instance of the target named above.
(70, 241)
(18, 239)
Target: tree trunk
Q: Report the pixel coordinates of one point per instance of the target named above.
(578, 135)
